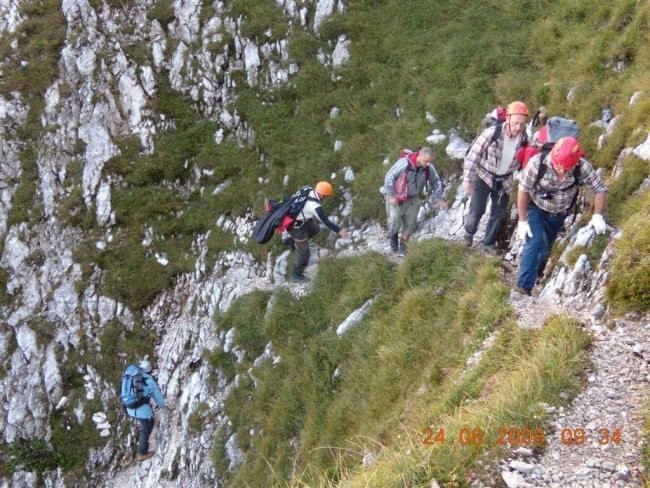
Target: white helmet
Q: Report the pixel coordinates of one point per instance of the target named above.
(145, 365)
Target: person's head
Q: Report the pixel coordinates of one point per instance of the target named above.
(542, 116)
(324, 189)
(517, 113)
(145, 365)
(424, 157)
(566, 153)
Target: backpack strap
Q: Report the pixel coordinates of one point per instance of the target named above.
(498, 128)
(546, 148)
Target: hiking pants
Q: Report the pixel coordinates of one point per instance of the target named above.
(146, 426)
(301, 234)
(545, 227)
(404, 215)
(477, 205)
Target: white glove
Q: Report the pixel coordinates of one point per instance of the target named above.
(523, 230)
(598, 223)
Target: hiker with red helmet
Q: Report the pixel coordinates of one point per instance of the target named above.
(547, 190)
(402, 186)
(487, 172)
(306, 225)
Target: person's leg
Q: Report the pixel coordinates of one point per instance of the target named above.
(394, 223)
(499, 205)
(477, 205)
(529, 264)
(301, 240)
(313, 227)
(411, 209)
(146, 426)
(553, 226)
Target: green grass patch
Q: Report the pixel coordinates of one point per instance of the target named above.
(522, 369)
(629, 283)
(428, 316)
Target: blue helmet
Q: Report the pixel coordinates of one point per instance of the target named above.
(145, 365)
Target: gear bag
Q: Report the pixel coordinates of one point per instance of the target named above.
(559, 127)
(281, 215)
(133, 387)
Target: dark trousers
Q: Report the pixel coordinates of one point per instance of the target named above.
(301, 235)
(146, 426)
(477, 205)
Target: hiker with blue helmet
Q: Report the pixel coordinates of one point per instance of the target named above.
(488, 172)
(142, 410)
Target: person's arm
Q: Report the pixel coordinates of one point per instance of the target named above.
(320, 215)
(435, 187)
(599, 202)
(522, 204)
(155, 393)
(473, 157)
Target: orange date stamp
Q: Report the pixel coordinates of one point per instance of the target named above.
(520, 437)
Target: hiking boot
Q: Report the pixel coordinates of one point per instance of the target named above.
(469, 239)
(144, 457)
(393, 243)
(403, 245)
(521, 290)
(490, 250)
(299, 279)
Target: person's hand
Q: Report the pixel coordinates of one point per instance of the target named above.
(598, 223)
(468, 188)
(442, 204)
(344, 234)
(393, 201)
(523, 230)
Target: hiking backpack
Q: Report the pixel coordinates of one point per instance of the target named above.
(281, 215)
(401, 182)
(132, 394)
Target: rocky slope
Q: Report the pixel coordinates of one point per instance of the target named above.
(101, 94)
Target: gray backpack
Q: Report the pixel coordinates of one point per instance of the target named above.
(559, 127)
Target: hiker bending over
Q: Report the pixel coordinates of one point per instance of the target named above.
(547, 190)
(487, 172)
(143, 412)
(306, 226)
(402, 186)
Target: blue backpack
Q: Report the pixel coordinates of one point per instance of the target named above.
(132, 394)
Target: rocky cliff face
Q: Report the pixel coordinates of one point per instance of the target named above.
(101, 93)
(52, 314)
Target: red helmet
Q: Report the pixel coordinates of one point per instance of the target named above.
(518, 108)
(566, 153)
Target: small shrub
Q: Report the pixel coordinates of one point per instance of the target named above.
(197, 418)
(33, 455)
(162, 11)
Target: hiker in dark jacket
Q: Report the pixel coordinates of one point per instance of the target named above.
(488, 172)
(543, 204)
(307, 226)
(418, 171)
(144, 413)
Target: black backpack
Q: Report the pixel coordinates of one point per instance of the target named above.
(280, 215)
